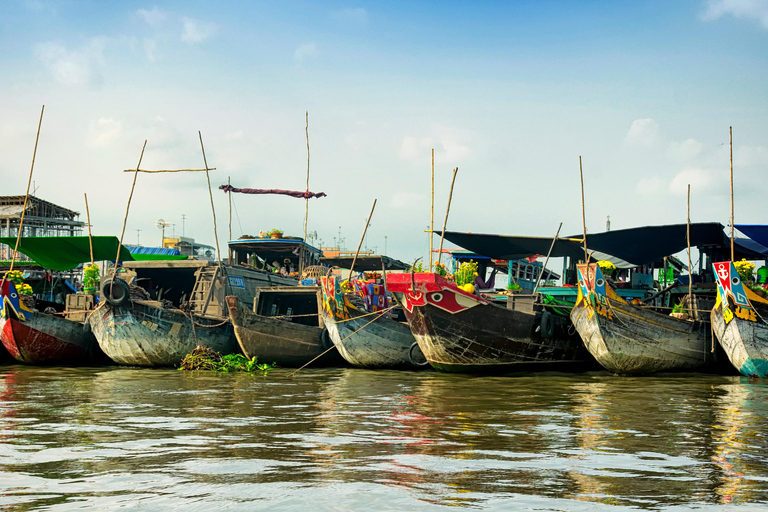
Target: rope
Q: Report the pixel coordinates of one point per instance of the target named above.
(339, 343)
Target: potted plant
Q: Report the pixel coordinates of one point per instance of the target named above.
(275, 233)
(91, 278)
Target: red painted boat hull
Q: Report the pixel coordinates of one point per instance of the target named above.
(47, 339)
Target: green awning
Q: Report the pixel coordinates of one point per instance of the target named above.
(67, 252)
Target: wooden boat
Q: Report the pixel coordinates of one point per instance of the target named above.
(285, 329)
(178, 305)
(365, 337)
(462, 332)
(739, 321)
(36, 338)
(627, 338)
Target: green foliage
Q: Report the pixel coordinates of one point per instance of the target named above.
(745, 269)
(417, 267)
(466, 273)
(91, 276)
(514, 286)
(440, 269)
(15, 276)
(203, 358)
(275, 232)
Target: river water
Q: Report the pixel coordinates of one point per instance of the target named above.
(346, 439)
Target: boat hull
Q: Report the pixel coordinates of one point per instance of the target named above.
(367, 340)
(738, 321)
(459, 332)
(43, 339)
(272, 340)
(628, 339)
(142, 333)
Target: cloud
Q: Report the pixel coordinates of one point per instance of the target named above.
(685, 150)
(700, 180)
(72, 67)
(304, 51)
(740, 9)
(643, 132)
(153, 17)
(406, 200)
(650, 186)
(196, 31)
(356, 15)
(103, 132)
(748, 156)
(149, 49)
(451, 146)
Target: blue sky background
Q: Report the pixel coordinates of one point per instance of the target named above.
(510, 93)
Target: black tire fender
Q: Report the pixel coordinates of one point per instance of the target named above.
(547, 325)
(416, 356)
(115, 291)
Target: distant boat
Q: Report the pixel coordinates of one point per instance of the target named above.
(627, 338)
(36, 338)
(740, 322)
(462, 332)
(365, 336)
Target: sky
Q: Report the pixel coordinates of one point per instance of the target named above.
(510, 93)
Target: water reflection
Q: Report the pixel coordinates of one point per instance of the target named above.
(112, 437)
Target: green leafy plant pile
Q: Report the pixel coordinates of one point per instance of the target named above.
(204, 358)
(91, 276)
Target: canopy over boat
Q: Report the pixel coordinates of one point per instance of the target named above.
(626, 248)
(366, 263)
(758, 234)
(67, 252)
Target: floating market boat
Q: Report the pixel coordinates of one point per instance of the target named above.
(39, 337)
(158, 311)
(363, 330)
(628, 338)
(740, 322)
(459, 331)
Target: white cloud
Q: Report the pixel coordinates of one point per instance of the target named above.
(701, 180)
(149, 49)
(643, 132)
(304, 51)
(741, 9)
(450, 144)
(407, 200)
(72, 67)
(356, 15)
(747, 156)
(153, 17)
(103, 132)
(196, 31)
(685, 150)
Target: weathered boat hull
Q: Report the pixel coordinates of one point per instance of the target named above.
(627, 339)
(47, 339)
(367, 340)
(142, 333)
(459, 332)
(738, 321)
(272, 340)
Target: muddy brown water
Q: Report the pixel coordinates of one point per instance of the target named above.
(346, 439)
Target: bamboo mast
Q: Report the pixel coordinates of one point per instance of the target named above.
(88, 217)
(432, 211)
(128, 206)
(352, 266)
(583, 214)
(688, 236)
(26, 196)
(306, 200)
(546, 261)
(208, 177)
(730, 132)
(445, 222)
(229, 197)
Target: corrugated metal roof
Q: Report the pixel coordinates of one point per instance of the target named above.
(137, 249)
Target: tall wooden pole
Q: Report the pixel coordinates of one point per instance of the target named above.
(352, 266)
(688, 236)
(26, 196)
(583, 214)
(229, 196)
(88, 218)
(730, 131)
(432, 211)
(306, 200)
(546, 261)
(445, 222)
(128, 206)
(210, 194)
